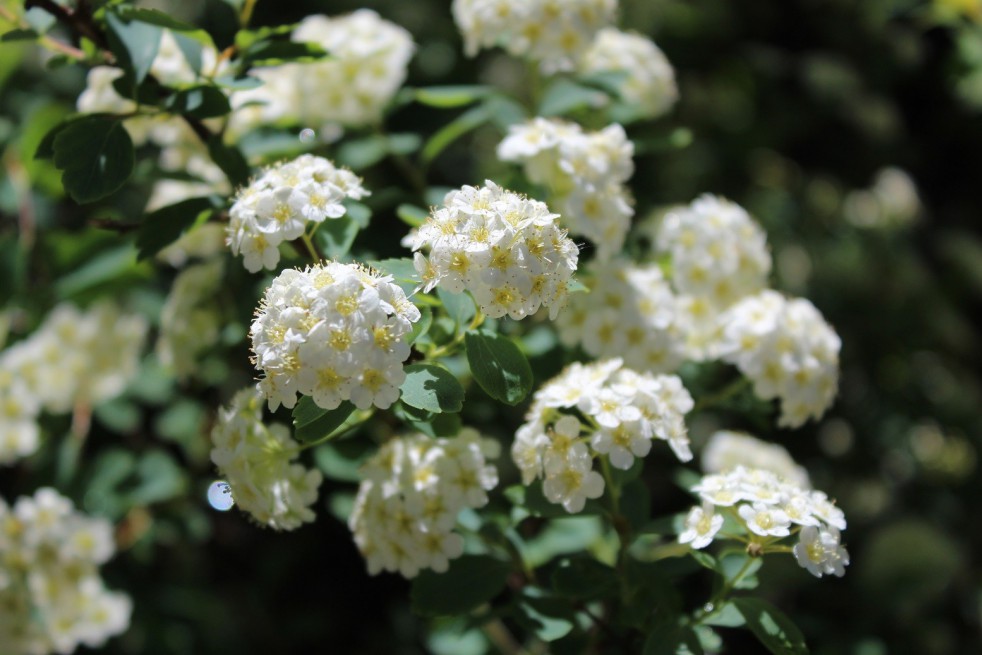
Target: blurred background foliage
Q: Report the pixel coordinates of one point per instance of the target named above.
(791, 108)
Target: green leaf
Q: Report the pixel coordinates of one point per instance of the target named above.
(471, 581)
(583, 577)
(135, 42)
(432, 388)
(430, 423)
(161, 478)
(466, 122)
(564, 96)
(446, 97)
(272, 52)
(421, 326)
(164, 226)
(774, 630)
(19, 35)
(664, 638)
(336, 463)
(335, 236)
(549, 617)
(459, 306)
(230, 160)
(727, 616)
(498, 366)
(311, 422)
(100, 270)
(412, 215)
(95, 155)
(199, 101)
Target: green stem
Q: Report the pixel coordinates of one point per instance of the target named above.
(311, 250)
(722, 594)
(246, 14)
(724, 394)
(451, 346)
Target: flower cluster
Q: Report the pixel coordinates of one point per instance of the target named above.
(411, 493)
(624, 411)
(726, 450)
(72, 358)
(367, 63)
(280, 204)
(556, 33)
(585, 173)
(630, 313)
(649, 79)
(189, 321)
(52, 595)
(767, 508)
(333, 332)
(891, 202)
(507, 250)
(258, 462)
(787, 349)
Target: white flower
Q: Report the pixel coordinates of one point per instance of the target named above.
(649, 83)
(281, 204)
(51, 589)
(727, 449)
(584, 171)
(505, 249)
(820, 553)
(701, 525)
(553, 32)
(411, 492)
(258, 462)
(189, 320)
(367, 64)
(572, 484)
(764, 520)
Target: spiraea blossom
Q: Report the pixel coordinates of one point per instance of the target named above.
(411, 493)
(555, 33)
(333, 332)
(51, 592)
(727, 450)
(648, 84)
(78, 357)
(625, 411)
(766, 508)
(585, 173)
(718, 255)
(19, 409)
(367, 63)
(190, 322)
(787, 349)
(629, 313)
(258, 461)
(504, 248)
(282, 203)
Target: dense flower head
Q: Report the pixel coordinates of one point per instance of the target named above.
(333, 332)
(411, 492)
(556, 33)
(727, 449)
(766, 508)
(507, 250)
(258, 461)
(283, 202)
(585, 173)
(367, 63)
(625, 411)
(629, 313)
(718, 251)
(79, 357)
(649, 79)
(189, 320)
(787, 349)
(51, 592)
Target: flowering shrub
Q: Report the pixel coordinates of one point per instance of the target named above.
(475, 344)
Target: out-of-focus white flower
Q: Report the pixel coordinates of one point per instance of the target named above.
(585, 173)
(259, 463)
(768, 508)
(727, 450)
(189, 320)
(281, 203)
(787, 349)
(892, 201)
(53, 596)
(555, 33)
(507, 250)
(368, 60)
(630, 312)
(333, 332)
(701, 525)
(649, 79)
(202, 241)
(625, 411)
(411, 493)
